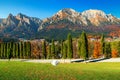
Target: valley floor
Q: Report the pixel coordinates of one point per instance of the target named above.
(16, 70)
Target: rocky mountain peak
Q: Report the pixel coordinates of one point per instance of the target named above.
(93, 13)
(20, 16)
(67, 12)
(10, 17)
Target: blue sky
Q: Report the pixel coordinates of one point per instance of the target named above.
(46, 8)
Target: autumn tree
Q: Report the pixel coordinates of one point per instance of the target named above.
(96, 51)
(114, 46)
(114, 53)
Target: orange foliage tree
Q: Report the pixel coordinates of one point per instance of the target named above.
(96, 51)
(114, 53)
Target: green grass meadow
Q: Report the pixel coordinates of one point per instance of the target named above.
(11, 70)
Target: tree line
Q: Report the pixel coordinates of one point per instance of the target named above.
(70, 48)
(15, 50)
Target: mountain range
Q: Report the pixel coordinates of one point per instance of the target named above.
(59, 25)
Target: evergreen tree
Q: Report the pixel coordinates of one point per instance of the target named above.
(44, 49)
(29, 50)
(24, 49)
(2, 50)
(10, 53)
(14, 49)
(64, 51)
(8, 47)
(84, 46)
(61, 48)
(49, 52)
(69, 46)
(79, 48)
(21, 49)
(102, 44)
(107, 50)
(53, 49)
(57, 50)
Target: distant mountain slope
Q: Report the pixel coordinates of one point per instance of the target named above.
(59, 25)
(19, 26)
(66, 17)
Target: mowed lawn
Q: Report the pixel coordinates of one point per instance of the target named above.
(11, 70)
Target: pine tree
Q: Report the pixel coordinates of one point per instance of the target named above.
(14, 49)
(21, 49)
(8, 47)
(107, 50)
(69, 46)
(53, 49)
(61, 48)
(64, 51)
(24, 49)
(5, 50)
(17, 50)
(102, 44)
(49, 52)
(44, 49)
(2, 50)
(84, 46)
(29, 50)
(79, 48)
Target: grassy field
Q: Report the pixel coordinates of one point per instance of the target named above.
(10, 70)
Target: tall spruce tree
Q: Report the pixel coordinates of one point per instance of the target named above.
(69, 46)
(64, 56)
(107, 50)
(53, 49)
(29, 49)
(21, 49)
(49, 52)
(84, 46)
(61, 47)
(1, 50)
(44, 49)
(16, 51)
(8, 47)
(5, 50)
(79, 48)
(24, 49)
(102, 44)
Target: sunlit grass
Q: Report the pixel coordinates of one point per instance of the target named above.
(73, 71)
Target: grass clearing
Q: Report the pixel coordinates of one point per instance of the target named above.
(11, 70)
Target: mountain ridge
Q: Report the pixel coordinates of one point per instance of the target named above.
(23, 26)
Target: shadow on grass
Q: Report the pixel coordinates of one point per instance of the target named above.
(92, 60)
